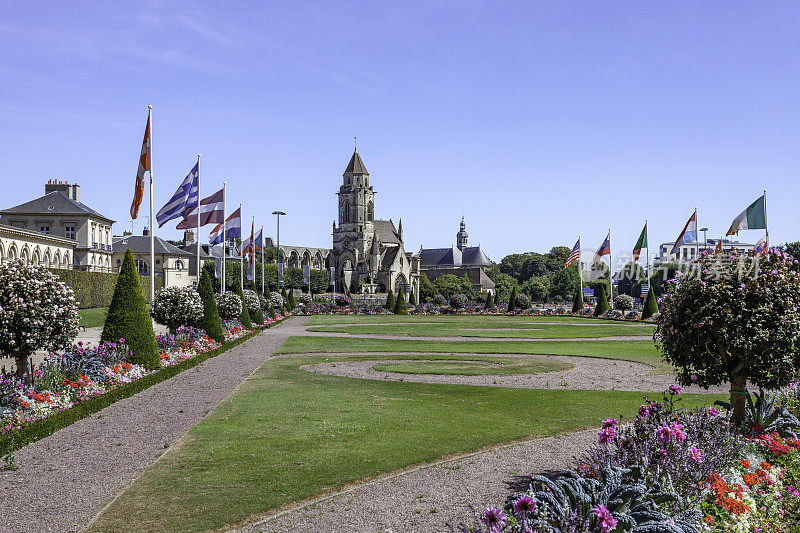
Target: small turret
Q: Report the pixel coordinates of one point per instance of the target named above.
(461, 236)
(400, 229)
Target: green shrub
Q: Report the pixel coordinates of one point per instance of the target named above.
(577, 301)
(128, 317)
(602, 301)
(650, 304)
(210, 321)
(290, 300)
(244, 318)
(512, 299)
(390, 301)
(400, 307)
(623, 302)
(95, 289)
(489, 302)
(411, 299)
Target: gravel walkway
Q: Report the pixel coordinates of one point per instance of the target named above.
(65, 479)
(443, 496)
(588, 373)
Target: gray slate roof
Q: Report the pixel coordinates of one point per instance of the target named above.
(140, 244)
(386, 232)
(476, 276)
(356, 165)
(54, 203)
(192, 249)
(453, 257)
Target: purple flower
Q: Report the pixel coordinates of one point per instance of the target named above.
(664, 433)
(713, 411)
(605, 520)
(493, 518)
(644, 411)
(606, 435)
(696, 454)
(610, 423)
(694, 378)
(524, 505)
(675, 389)
(677, 431)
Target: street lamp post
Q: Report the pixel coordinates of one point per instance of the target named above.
(278, 254)
(705, 238)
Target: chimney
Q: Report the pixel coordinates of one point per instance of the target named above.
(188, 237)
(70, 191)
(75, 190)
(126, 233)
(145, 231)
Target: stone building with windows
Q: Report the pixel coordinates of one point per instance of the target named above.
(172, 263)
(59, 213)
(460, 260)
(33, 247)
(368, 254)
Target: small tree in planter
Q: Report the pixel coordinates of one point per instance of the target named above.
(400, 307)
(128, 317)
(210, 320)
(177, 306)
(737, 319)
(390, 301)
(489, 305)
(229, 305)
(522, 301)
(290, 300)
(253, 303)
(577, 302)
(439, 299)
(602, 301)
(37, 311)
(512, 300)
(623, 302)
(650, 306)
(411, 299)
(244, 318)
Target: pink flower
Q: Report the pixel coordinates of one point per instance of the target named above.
(675, 389)
(610, 423)
(605, 520)
(713, 411)
(664, 433)
(696, 455)
(677, 431)
(606, 435)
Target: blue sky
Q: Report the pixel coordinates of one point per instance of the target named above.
(538, 121)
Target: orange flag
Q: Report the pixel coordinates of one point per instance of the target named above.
(144, 166)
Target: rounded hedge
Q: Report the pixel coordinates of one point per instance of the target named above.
(177, 306)
(229, 305)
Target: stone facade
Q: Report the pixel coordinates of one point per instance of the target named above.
(33, 247)
(459, 260)
(172, 263)
(368, 252)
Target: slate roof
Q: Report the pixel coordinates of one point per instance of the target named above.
(356, 165)
(54, 203)
(192, 249)
(474, 255)
(140, 244)
(386, 232)
(453, 257)
(389, 255)
(476, 275)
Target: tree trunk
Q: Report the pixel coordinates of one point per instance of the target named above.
(22, 365)
(738, 388)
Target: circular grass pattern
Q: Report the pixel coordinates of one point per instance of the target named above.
(474, 368)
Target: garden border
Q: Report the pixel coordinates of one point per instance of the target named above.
(39, 429)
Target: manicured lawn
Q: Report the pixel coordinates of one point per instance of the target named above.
(502, 329)
(94, 317)
(485, 367)
(286, 434)
(637, 351)
(466, 321)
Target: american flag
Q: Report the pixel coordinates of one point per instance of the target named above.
(574, 254)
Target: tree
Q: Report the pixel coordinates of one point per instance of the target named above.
(537, 287)
(37, 311)
(623, 302)
(512, 300)
(426, 290)
(489, 302)
(253, 304)
(449, 284)
(177, 306)
(411, 299)
(390, 301)
(128, 317)
(650, 306)
(630, 279)
(562, 281)
(735, 320)
(291, 301)
(320, 281)
(244, 317)
(577, 301)
(210, 321)
(400, 307)
(602, 301)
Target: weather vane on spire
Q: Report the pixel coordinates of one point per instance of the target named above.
(355, 144)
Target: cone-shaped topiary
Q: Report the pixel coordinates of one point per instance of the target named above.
(129, 319)
(210, 322)
(650, 305)
(400, 307)
(271, 310)
(489, 302)
(512, 300)
(577, 302)
(390, 301)
(411, 299)
(244, 318)
(290, 300)
(602, 301)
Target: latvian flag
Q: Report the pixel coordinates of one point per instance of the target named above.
(184, 198)
(689, 233)
(233, 229)
(605, 249)
(574, 254)
(211, 211)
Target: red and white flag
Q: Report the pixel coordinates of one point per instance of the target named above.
(211, 212)
(145, 165)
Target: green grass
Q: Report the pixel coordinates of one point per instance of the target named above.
(498, 367)
(637, 351)
(482, 329)
(92, 318)
(286, 434)
(466, 321)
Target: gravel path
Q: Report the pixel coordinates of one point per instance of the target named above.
(443, 496)
(588, 373)
(66, 479)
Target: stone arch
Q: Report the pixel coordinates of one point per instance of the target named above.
(57, 259)
(24, 256)
(12, 252)
(370, 211)
(108, 265)
(400, 281)
(48, 259)
(179, 264)
(346, 211)
(306, 257)
(294, 259)
(36, 257)
(318, 261)
(2, 253)
(66, 260)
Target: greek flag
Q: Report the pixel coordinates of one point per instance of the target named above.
(184, 198)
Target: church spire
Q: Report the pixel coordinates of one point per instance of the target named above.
(461, 236)
(356, 165)
(400, 229)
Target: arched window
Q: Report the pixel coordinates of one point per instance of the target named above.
(346, 211)
(370, 212)
(178, 265)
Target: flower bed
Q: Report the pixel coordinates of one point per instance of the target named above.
(671, 469)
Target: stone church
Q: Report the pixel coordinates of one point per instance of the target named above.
(368, 254)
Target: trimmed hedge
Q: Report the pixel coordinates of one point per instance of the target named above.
(95, 289)
(14, 440)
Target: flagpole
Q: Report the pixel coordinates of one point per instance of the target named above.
(697, 236)
(224, 236)
(197, 237)
(263, 289)
(241, 252)
(647, 259)
(580, 268)
(152, 235)
(766, 226)
(610, 273)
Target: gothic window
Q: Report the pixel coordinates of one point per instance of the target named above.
(346, 211)
(370, 212)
